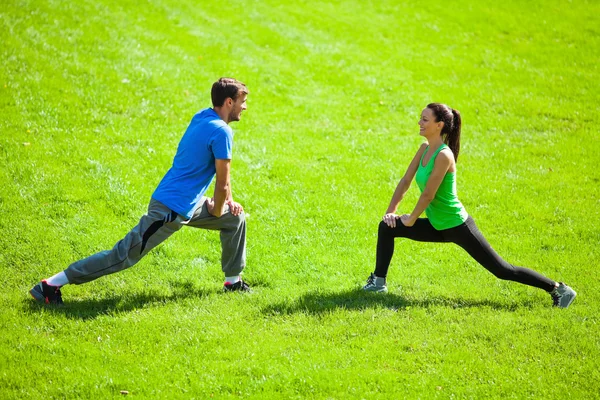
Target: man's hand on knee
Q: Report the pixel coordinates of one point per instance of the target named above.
(235, 208)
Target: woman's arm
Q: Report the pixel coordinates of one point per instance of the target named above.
(402, 187)
(443, 161)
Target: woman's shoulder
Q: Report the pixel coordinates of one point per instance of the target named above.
(446, 152)
(421, 150)
(445, 156)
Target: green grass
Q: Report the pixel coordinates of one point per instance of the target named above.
(94, 97)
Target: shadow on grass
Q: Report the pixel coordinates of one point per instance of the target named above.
(92, 308)
(319, 302)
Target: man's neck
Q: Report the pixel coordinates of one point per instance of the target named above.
(222, 113)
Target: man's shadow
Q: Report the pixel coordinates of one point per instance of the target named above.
(92, 308)
(321, 302)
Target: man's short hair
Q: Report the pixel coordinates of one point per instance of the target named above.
(226, 88)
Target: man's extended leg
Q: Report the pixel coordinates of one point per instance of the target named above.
(154, 227)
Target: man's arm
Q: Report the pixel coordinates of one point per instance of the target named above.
(222, 187)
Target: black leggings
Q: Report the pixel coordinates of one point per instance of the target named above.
(466, 236)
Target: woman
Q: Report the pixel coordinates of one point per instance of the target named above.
(447, 221)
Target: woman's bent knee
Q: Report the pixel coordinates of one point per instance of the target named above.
(384, 229)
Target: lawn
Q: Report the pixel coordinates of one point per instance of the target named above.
(95, 95)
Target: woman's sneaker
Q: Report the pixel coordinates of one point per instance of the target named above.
(45, 293)
(563, 296)
(375, 284)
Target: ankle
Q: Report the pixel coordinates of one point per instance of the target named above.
(59, 279)
(230, 280)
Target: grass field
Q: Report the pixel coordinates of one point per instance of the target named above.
(94, 96)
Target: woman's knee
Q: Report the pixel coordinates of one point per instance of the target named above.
(384, 229)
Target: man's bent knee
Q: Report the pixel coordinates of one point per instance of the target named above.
(241, 217)
(235, 220)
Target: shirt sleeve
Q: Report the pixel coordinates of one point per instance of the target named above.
(222, 144)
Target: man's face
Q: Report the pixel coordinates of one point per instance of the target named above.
(239, 105)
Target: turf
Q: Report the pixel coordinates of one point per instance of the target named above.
(94, 97)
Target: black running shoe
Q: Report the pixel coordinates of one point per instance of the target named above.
(240, 286)
(45, 293)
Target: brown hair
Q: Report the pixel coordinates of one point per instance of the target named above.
(452, 123)
(226, 88)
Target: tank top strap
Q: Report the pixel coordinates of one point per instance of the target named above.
(442, 147)
(432, 159)
(423, 156)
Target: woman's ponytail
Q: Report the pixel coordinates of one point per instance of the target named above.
(453, 136)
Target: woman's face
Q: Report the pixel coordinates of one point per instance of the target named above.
(428, 126)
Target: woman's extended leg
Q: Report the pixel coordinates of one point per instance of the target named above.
(470, 238)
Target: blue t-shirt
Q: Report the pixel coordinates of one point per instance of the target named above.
(207, 138)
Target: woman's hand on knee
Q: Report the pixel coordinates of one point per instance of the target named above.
(406, 220)
(390, 219)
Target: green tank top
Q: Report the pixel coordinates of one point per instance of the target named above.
(445, 210)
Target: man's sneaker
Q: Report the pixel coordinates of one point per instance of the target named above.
(45, 293)
(240, 286)
(563, 296)
(375, 284)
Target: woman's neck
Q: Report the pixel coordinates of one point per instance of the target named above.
(435, 142)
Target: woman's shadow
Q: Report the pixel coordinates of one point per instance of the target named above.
(321, 302)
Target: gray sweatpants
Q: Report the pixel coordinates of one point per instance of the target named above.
(155, 227)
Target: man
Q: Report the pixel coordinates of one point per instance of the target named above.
(204, 150)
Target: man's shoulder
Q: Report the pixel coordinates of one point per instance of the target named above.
(208, 123)
(210, 117)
